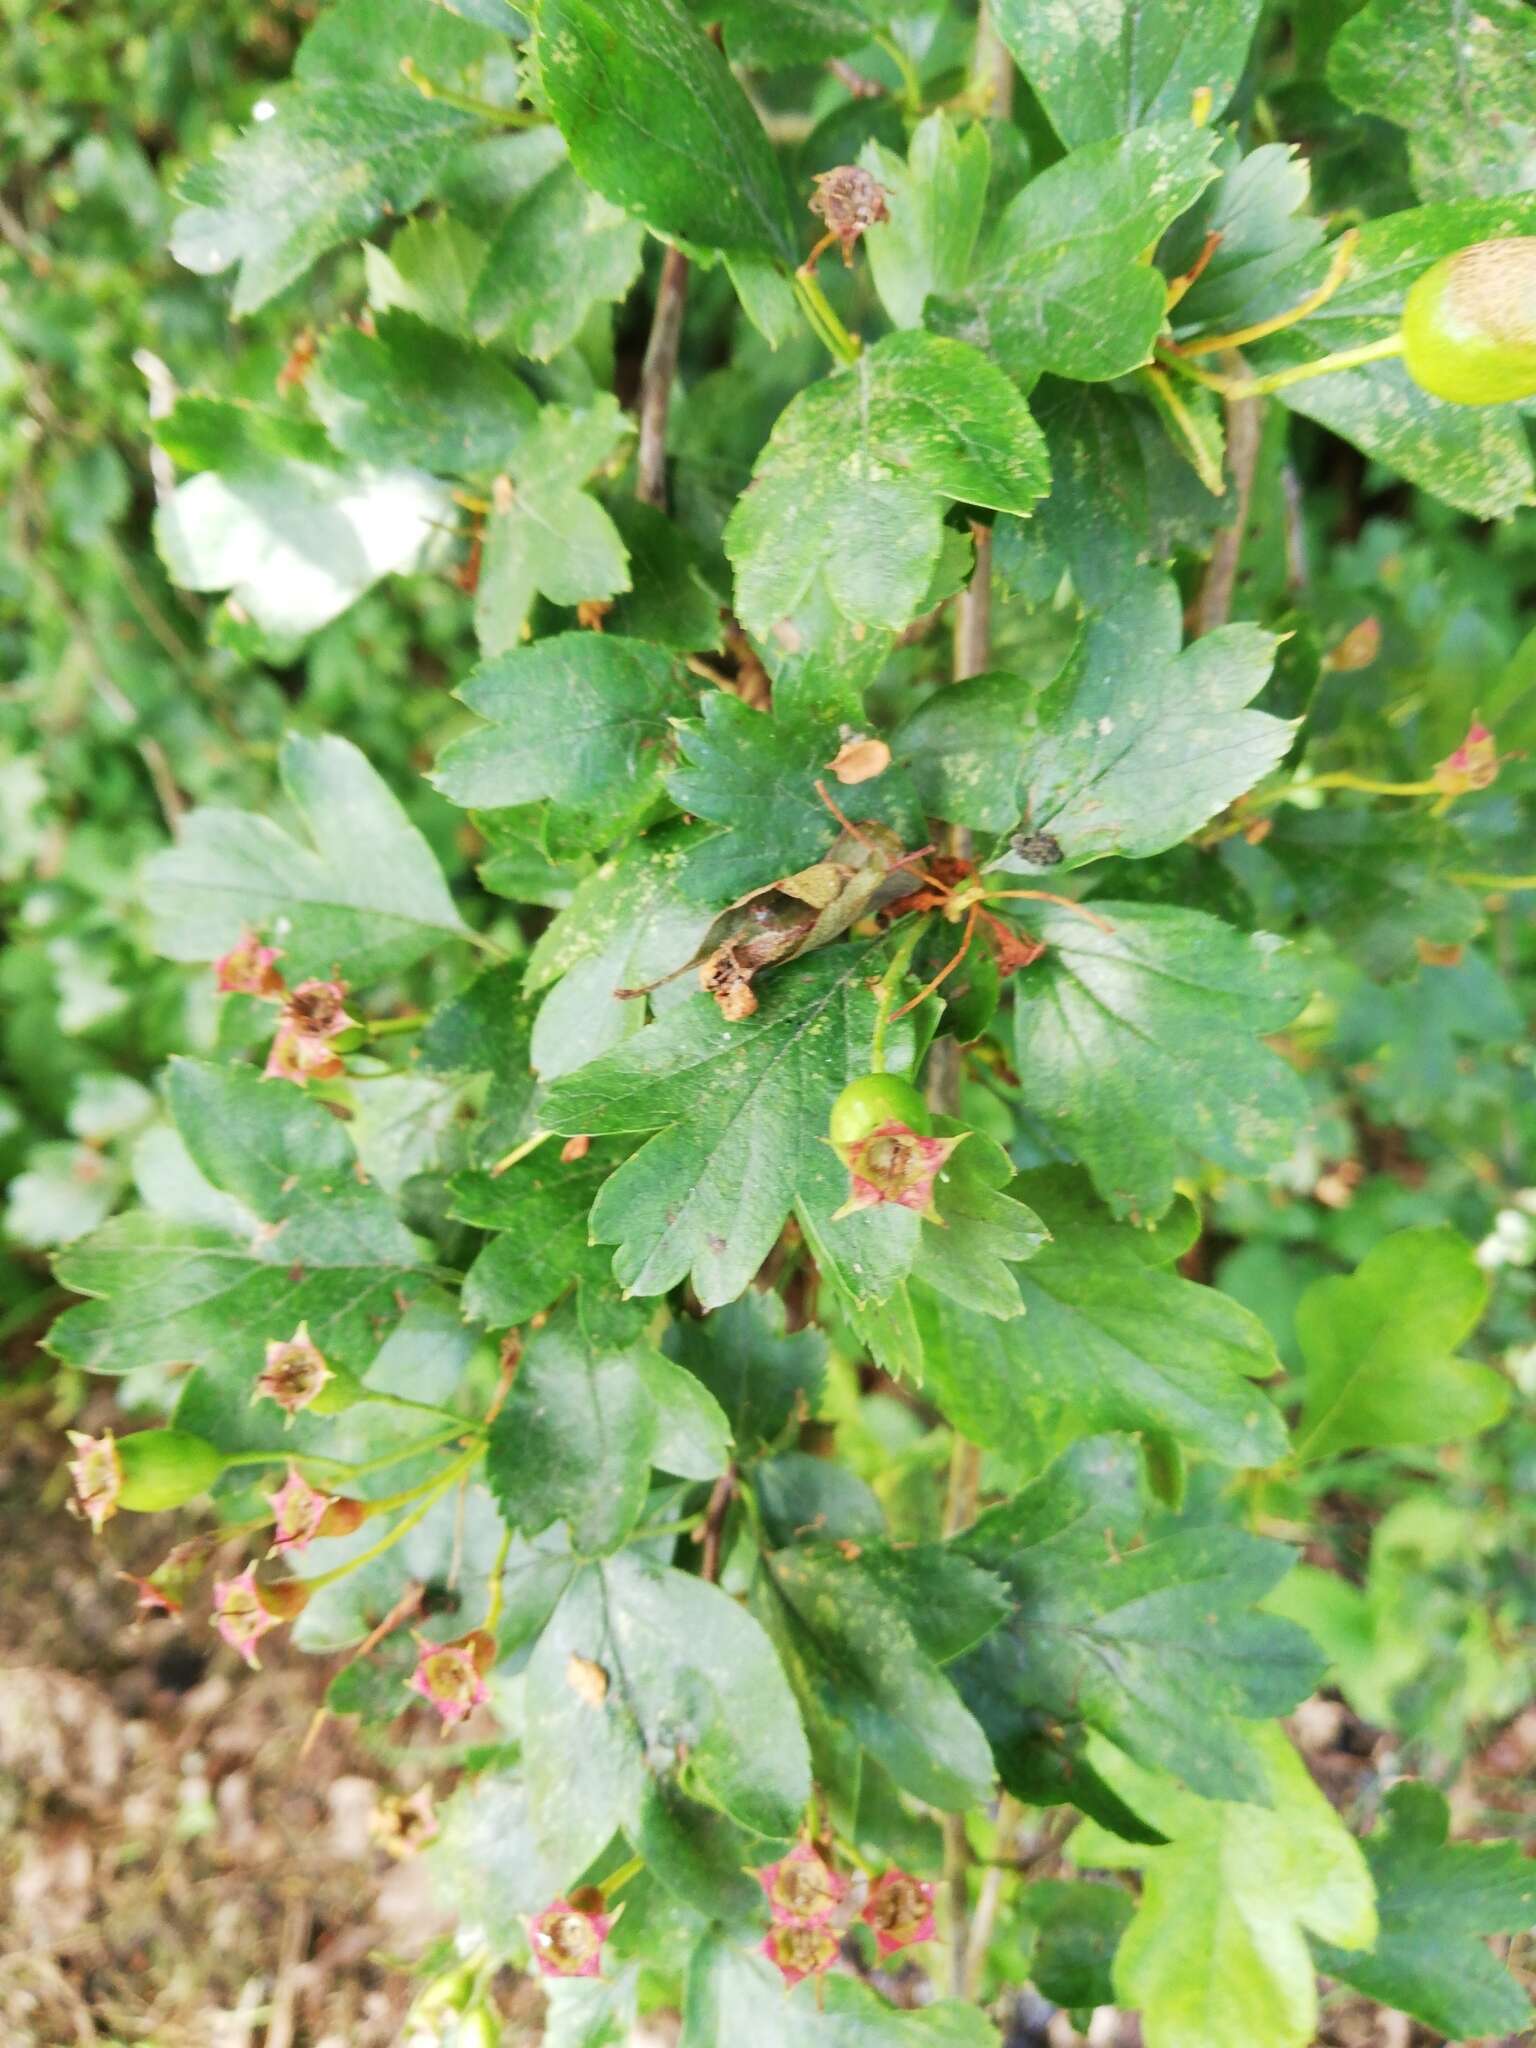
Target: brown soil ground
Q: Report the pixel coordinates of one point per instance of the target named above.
(177, 1871)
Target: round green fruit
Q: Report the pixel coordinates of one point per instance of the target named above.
(873, 1100)
(1469, 324)
(165, 1468)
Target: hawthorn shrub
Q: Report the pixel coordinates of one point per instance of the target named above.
(983, 791)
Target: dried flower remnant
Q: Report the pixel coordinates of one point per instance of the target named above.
(899, 1909)
(241, 1616)
(849, 200)
(568, 1939)
(451, 1676)
(801, 1888)
(314, 1015)
(300, 1511)
(293, 1374)
(402, 1826)
(895, 1164)
(97, 1472)
(800, 1950)
(1473, 765)
(249, 969)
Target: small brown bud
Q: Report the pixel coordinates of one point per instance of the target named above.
(849, 200)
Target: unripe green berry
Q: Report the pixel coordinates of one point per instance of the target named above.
(873, 1100)
(165, 1468)
(1469, 324)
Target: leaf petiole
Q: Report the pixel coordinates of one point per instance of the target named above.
(1239, 337)
(824, 323)
(426, 1496)
(1281, 380)
(504, 117)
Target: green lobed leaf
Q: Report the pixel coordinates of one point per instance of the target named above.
(581, 1428)
(739, 1110)
(935, 198)
(984, 1229)
(429, 271)
(579, 718)
(330, 160)
(364, 40)
(677, 585)
(538, 1210)
(414, 395)
(555, 249)
(860, 1657)
(549, 535)
(1216, 1952)
(1378, 1344)
(1254, 207)
(294, 535)
(694, 1706)
(627, 925)
(1134, 745)
(800, 31)
(1157, 1647)
(1459, 78)
(324, 1248)
(1436, 1900)
(1101, 69)
(657, 123)
(1122, 493)
(1062, 281)
(1140, 1046)
(848, 495)
(360, 896)
(761, 1376)
(1105, 1340)
(756, 775)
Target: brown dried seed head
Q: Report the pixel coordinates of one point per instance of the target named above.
(849, 200)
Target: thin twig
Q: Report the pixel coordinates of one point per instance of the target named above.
(991, 68)
(1245, 427)
(656, 375)
(984, 1920)
(714, 1523)
(293, 1942)
(973, 653)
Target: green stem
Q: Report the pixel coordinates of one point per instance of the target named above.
(617, 1879)
(658, 1529)
(462, 1423)
(498, 1570)
(1342, 778)
(486, 945)
(343, 1465)
(890, 985)
(911, 84)
(1475, 879)
(520, 1152)
(1281, 380)
(826, 326)
(432, 1491)
(487, 110)
(391, 1027)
